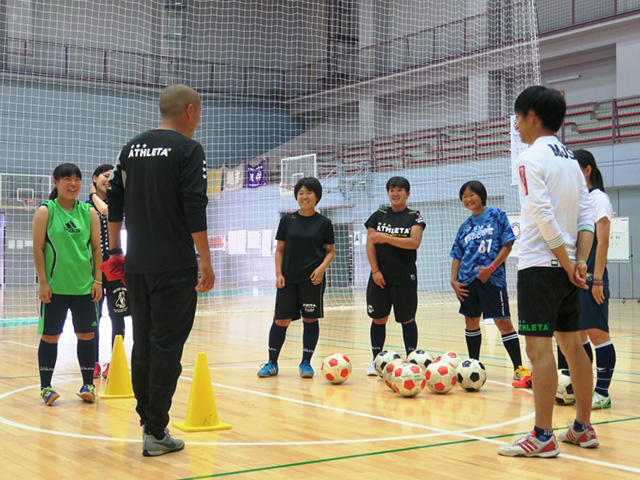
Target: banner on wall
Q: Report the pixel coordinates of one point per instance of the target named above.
(233, 178)
(214, 183)
(255, 175)
(517, 147)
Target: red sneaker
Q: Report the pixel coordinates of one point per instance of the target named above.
(525, 382)
(530, 446)
(96, 370)
(586, 439)
(105, 370)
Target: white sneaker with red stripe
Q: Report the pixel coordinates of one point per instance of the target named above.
(586, 439)
(530, 446)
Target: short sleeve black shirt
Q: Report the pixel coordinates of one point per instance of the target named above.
(398, 265)
(305, 239)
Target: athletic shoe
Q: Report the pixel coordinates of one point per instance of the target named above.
(585, 439)
(530, 446)
(96, 370)
(521, 372)
(526, 382)
(105, 370)
(87, 393)
(49, 395)
(306, 370)
(371, 371)
(152, 447)
(600, 402)
(268, 369)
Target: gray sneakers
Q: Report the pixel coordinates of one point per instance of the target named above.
(152, 447)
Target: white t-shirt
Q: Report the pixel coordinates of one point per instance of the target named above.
(602, 205)
(555, 203)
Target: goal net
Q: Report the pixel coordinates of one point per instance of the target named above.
(367, 89)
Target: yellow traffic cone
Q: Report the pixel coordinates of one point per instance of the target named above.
(201, 410)
(118, 380)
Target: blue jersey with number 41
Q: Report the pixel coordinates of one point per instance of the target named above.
(478, 242)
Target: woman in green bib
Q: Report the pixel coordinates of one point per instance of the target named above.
(67, 255)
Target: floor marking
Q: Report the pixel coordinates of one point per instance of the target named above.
(435, 431)
(20, 344)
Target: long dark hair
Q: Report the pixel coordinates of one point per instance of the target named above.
(61, 171)
(586, 159)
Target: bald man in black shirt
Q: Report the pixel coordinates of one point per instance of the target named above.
(160, 184)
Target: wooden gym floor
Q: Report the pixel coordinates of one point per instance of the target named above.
(289, 427)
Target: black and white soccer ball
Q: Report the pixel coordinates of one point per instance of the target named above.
(471, 375)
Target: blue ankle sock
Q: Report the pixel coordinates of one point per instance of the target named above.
(542, 434)
(578, 427)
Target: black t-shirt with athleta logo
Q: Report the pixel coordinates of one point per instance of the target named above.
(160, 185)
(305, 239)
(397, 265)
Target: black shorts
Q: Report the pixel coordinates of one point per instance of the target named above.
(403, 298)
(300, 300)
(117, 299)
(547, 302)
(83, 311)
(593, 315)
(486, 299)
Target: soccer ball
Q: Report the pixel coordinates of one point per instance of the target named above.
(564, 393)
(384, 357)
(336, 368)
(441, 377)
(422, 358)
(407, 379)
(388, 371)
(452, 357)
(471, 375)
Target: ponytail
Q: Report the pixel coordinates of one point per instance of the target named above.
(54, 193)
(586, 159)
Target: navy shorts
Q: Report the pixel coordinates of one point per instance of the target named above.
(403, 299)
(84, 312)
(300, 300)
(547, 302)
(593, 315)
(487, 299)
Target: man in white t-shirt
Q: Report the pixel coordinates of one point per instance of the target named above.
(557, 233)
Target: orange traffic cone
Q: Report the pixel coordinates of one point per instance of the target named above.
(201, 410)
(118, 380)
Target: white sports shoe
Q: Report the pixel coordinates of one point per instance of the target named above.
(371, 371)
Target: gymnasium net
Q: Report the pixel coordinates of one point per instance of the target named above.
(352, 91)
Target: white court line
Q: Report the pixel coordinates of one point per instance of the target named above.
(437, 431)
(21, 344)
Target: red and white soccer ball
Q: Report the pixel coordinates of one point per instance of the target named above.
(336, 368)
(452, 357)
(408, 379)
(389, 368)
(441, 377)
(422, 358)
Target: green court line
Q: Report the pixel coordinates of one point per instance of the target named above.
(381, 452)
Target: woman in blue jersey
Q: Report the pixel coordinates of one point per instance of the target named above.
(66, 253)
(478, 276)
(594, 302)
